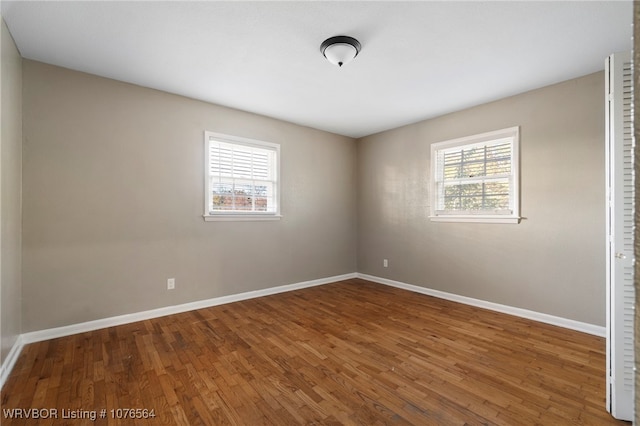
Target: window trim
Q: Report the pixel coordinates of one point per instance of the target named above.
(512, 133)
(210, 216)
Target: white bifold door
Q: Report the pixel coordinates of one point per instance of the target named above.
(620, 227)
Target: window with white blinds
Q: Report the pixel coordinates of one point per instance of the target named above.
(475, 179)
(242, 178)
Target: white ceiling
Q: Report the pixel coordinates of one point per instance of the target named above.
(418, 60)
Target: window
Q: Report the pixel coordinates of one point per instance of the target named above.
(475, 178)
(241, 179)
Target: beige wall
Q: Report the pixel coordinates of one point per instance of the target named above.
(553, 261)
(113, 202)
(10, 192)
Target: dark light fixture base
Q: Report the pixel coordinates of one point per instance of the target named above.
(340, 58)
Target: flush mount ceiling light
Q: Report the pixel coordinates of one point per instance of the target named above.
(340, 49)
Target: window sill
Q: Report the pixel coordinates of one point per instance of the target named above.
(240, 217)
(476, 219)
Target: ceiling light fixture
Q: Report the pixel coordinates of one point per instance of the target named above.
(340, 49)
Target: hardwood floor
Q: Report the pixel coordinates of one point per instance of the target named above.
(352, 352)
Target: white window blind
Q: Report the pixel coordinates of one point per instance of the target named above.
(475, 177)
(242, 176)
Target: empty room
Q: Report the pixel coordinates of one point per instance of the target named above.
(301, 212)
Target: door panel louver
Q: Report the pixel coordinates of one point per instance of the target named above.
(620, 231)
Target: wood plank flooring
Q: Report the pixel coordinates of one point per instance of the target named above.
(352, 352)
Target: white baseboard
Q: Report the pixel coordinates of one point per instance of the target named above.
(52, 333)
(10, 360)
(524, 313)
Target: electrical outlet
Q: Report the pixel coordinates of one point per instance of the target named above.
(171, 283)
(385, 263)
